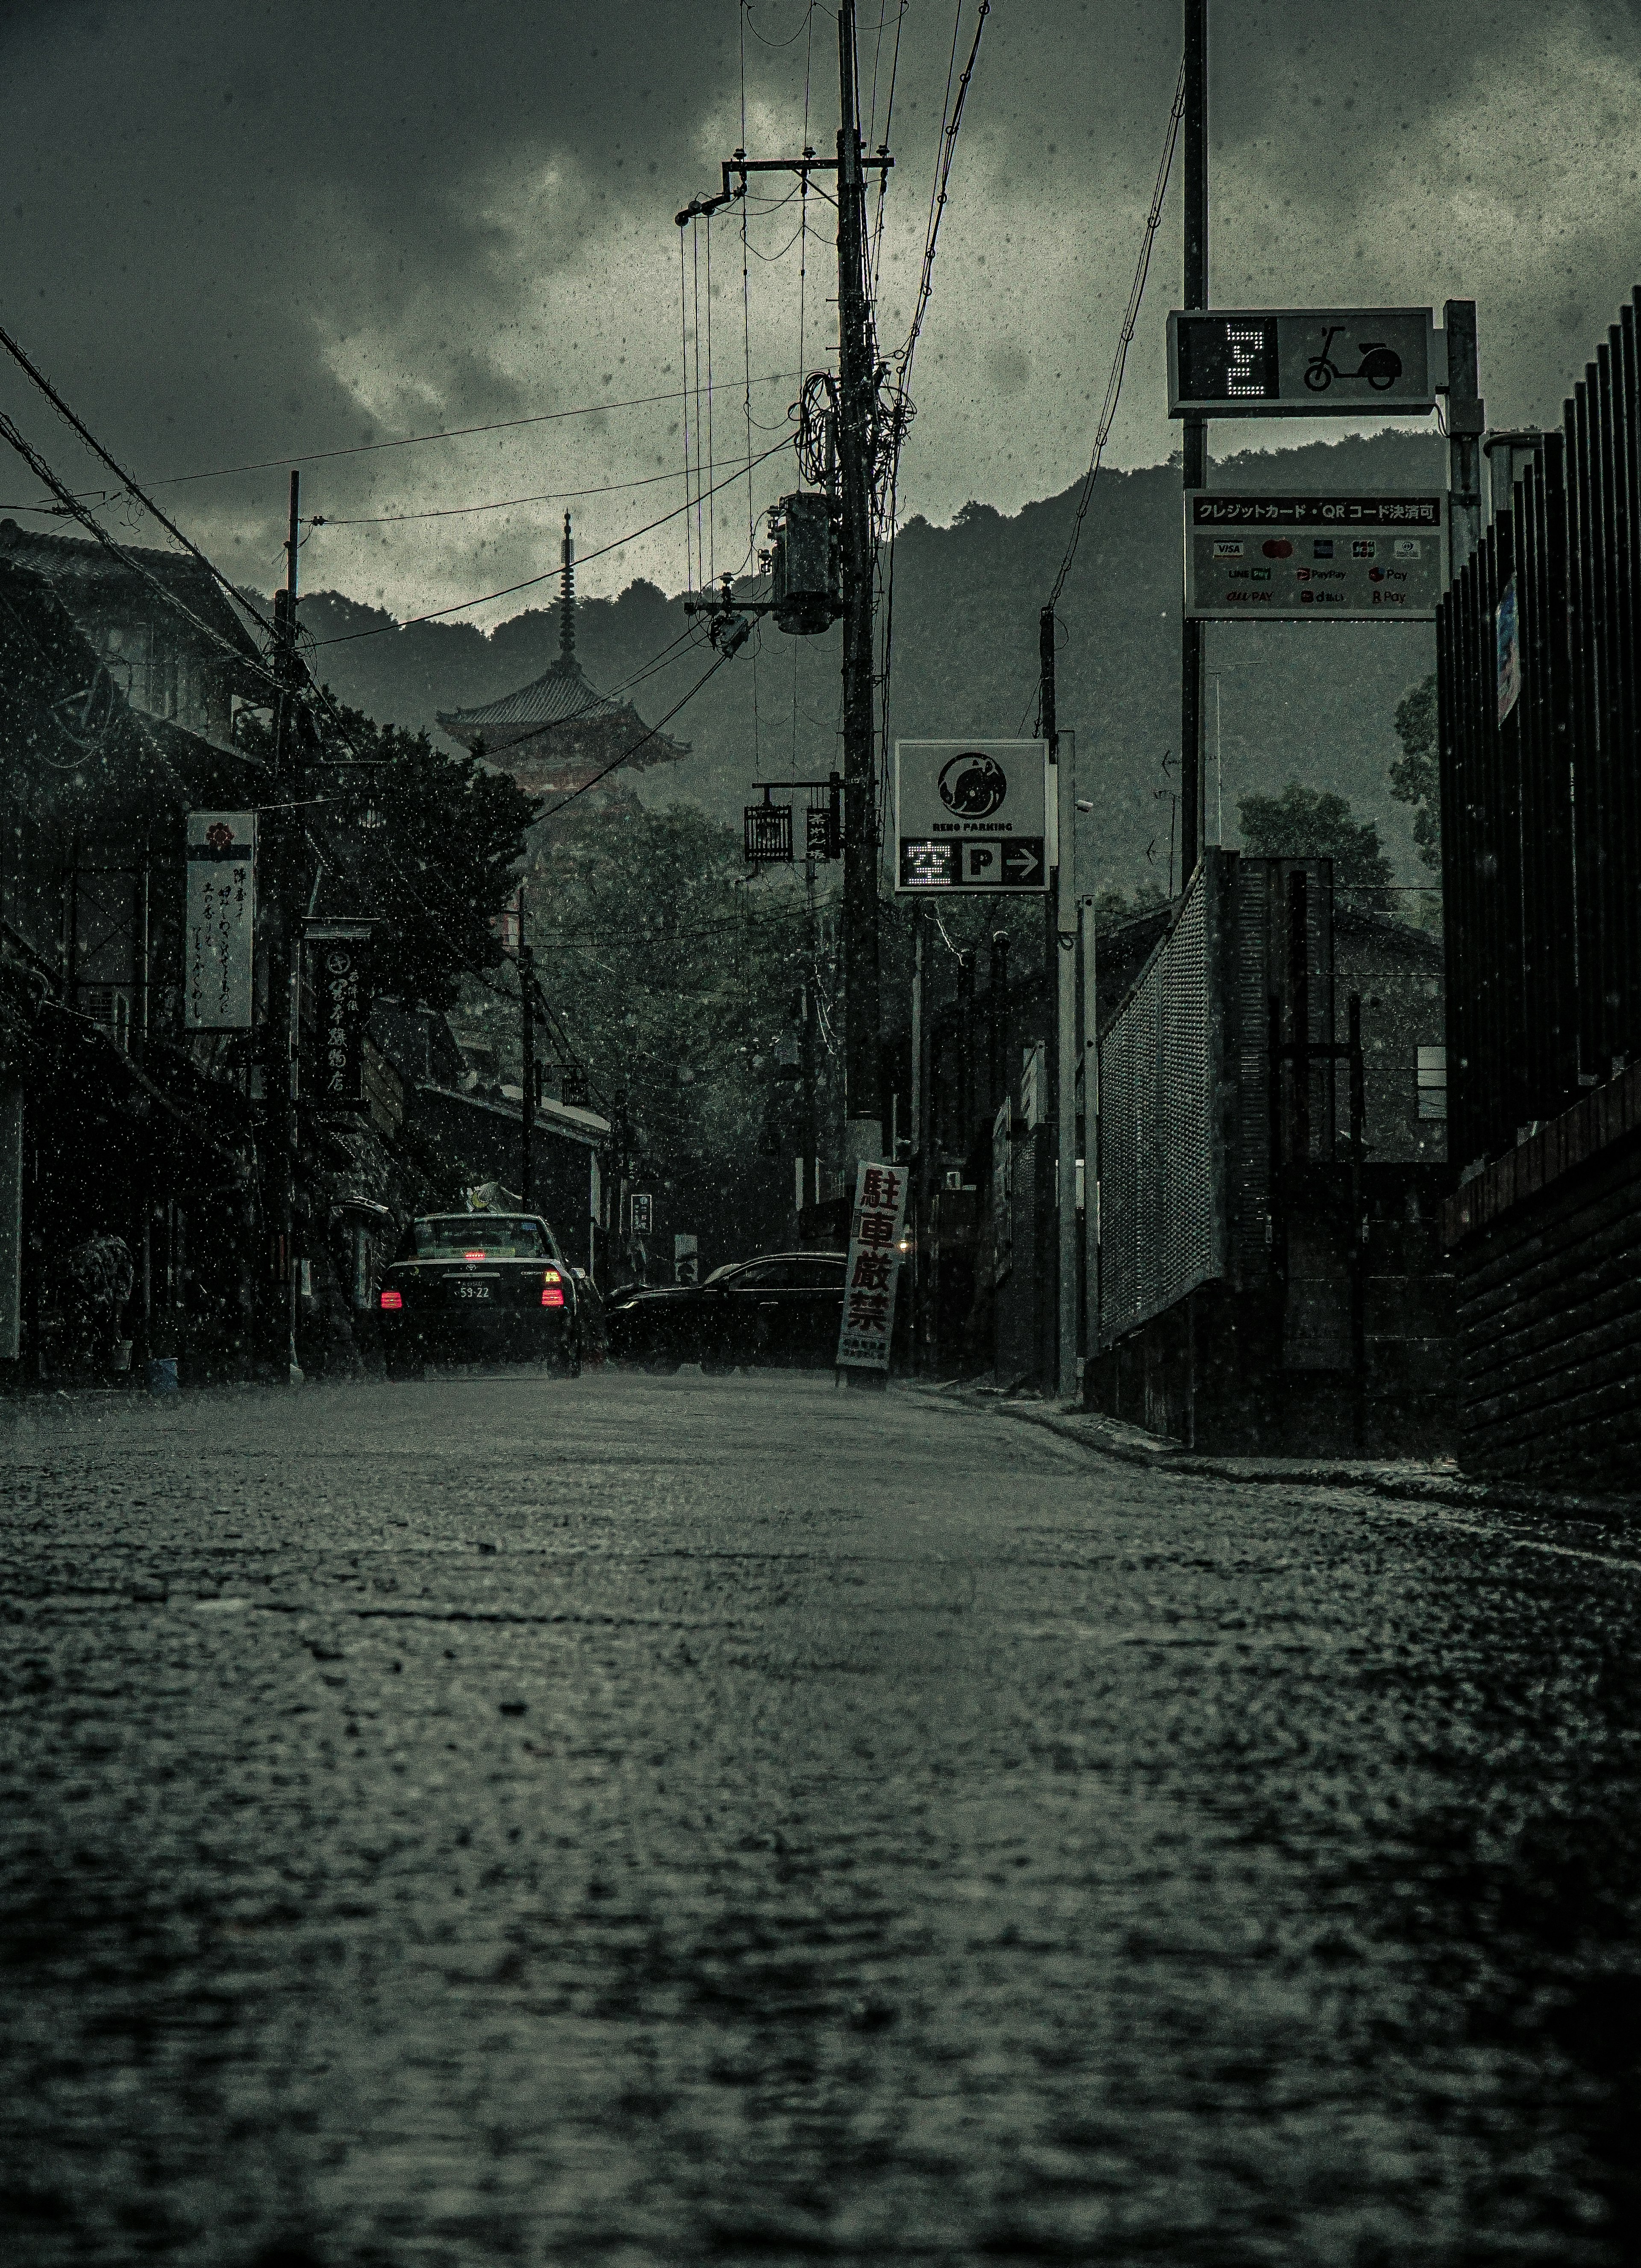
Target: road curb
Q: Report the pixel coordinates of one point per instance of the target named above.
(1128, 1445)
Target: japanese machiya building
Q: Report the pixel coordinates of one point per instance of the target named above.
(559, 732)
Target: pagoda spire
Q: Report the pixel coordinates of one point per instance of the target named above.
(567, 603)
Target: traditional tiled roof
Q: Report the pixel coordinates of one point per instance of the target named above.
(563, 696)
(561, 693)
(82, 571)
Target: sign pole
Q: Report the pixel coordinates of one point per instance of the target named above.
(1066, 1063)
(1090, 1135)
(1196, 434)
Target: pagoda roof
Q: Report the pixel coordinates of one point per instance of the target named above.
(563, 692)
(563, 696)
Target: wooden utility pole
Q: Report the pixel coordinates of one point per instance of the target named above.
(863, 1106)
(1196, 437)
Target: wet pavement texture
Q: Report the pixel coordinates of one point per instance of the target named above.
(636, 1821)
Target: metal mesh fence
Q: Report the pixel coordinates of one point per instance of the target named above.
(1159, 1188)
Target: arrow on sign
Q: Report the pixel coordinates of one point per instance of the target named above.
(1020, 862)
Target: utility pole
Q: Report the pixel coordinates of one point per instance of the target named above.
(1195, 436)
(1049, 1287)
(863, 1104)
(920, 1138)
(285, 972)
(526, 1048)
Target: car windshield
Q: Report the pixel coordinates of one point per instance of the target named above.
(486, 1236)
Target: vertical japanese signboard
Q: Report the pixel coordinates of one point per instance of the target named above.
(221, 915)
(874, 1265)
(339, 994)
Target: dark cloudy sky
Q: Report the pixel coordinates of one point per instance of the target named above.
(237, 230)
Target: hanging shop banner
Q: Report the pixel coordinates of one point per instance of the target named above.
(1509, 651)
(1303, 361)
(1313, 558)
(221, 919)
(874, 1265)
(974, 815)
(339, 1001)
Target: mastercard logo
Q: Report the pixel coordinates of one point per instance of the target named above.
(1279, 547)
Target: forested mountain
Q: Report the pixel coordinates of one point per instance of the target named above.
(1311, 703)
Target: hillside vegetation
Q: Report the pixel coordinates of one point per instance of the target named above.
(1314, 703)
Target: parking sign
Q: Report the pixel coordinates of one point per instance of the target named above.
(972, 815)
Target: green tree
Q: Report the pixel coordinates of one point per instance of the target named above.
(671, 971)
(429, 844)
(1304, 822)
(1415, 776)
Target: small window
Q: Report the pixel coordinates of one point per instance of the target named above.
(1432, 1083)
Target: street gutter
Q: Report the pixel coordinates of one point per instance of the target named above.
(1412, 1479)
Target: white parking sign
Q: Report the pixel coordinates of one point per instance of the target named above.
(972, 815)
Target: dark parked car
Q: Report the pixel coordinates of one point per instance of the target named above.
(782, 1308)
(469, 1287)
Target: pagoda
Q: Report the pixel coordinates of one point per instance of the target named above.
(559, 732)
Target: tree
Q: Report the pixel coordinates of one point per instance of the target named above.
(1305, 823)
(1415, 776)
(671, 971)
(429, 844)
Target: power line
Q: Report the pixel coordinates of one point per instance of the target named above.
(627, 754)
(1118, 361)
(42, 471)
(460, 606)
(119, 471)
(501, 504)
(445, 433)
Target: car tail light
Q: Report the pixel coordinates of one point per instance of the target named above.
(391, 1299)
(552, 1297)
(475, 1256)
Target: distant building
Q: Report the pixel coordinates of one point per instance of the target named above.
(559, 732)
(169, 667)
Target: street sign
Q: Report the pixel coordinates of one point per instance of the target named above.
(1302, 362)
(866, 1325)
(217, 994)
(972, 815)
(1313, 558)
(337, 956)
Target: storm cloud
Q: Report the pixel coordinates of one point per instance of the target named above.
(234, 232)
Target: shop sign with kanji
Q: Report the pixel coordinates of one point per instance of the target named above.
(220, 921)
(339, 993)
(874, 1262)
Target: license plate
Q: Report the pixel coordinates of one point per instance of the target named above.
(471, 1291)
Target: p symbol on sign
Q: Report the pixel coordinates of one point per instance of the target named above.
(978, 859)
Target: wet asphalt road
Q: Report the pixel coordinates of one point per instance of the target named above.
(642, 1821)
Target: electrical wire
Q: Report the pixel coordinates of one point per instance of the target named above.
(1119, 360)
(37, 464)
(627, 754)
(460, 606)
(118, 470)
(417, 440)
(501, 504)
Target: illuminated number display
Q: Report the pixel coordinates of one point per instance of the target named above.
(1228, 358)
